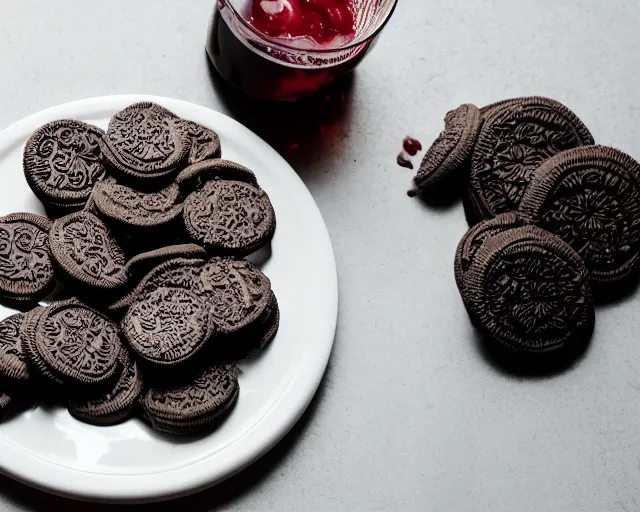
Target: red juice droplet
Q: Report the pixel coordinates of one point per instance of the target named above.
(411, 145)
(403, 160)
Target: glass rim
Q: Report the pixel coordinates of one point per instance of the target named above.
(277, 42)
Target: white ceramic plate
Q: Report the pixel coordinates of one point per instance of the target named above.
(48, 449)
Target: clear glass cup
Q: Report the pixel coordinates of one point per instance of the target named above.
(279, 69)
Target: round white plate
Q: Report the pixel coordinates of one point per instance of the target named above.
(48, 449)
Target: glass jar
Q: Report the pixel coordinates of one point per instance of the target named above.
(276, 68)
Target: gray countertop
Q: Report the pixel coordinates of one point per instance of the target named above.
(411, 414)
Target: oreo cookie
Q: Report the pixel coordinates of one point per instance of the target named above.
(194, 407)
(177, 273)
(243, 307)
(141, 264)
(168, 326)
(75, 345)
(513, 141)
(62, 162)
(229, 217)
(205, 143)
(26, 268)
(145, 144)
(447, 155)
(250, 341)
(132, 210)
(473, 240)
(84, 248)
(590, 197)
(195, 176)
(115, 405)
(529, 291)
(14, 365)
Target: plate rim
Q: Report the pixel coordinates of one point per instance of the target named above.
(277, 420)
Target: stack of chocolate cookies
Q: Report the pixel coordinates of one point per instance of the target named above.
(134, 291)
(552, 218)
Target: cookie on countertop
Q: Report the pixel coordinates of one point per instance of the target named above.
(62, 162)
(475, 237)
(513, 141)
(529, 291)
(447, 155)
(590, 197)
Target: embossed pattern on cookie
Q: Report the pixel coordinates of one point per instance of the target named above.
(193, 407)
(590, 197)
(475, 237)
(205, 143)
(451, 149)
(513, 141)
(530, 291)
(133, 208)
(62, 162)
(195, 176)
(83, 246)
(77, 343)
(144, 142)
(229, 217)
(115, 405)
(26, 268)
(168, 326)
(241, 292)
(13, 361)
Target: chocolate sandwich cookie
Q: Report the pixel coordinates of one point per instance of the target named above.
(590, 197)
(205, 143)
(62, 162)
(250, 341)
(194, 407)
(446, 156)
(513, 141)
(144, 143)
(141, 264)
(26, 268)
(132, 210)
(473, 240)
(168, 326)
(196, 175)
(529, 291)
(85, 249)
(14, 366)
(181, 273)
(76, 345)
(115, 405)
(229, 217)
(240, 292)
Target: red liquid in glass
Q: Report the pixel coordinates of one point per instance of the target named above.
(271, 78)
(321, 20)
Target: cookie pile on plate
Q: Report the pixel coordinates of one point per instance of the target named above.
(135, 295)
(552, 216)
